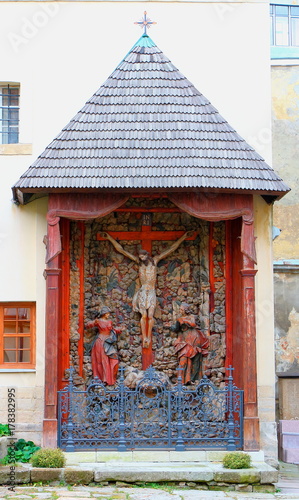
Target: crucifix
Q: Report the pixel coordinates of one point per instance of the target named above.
(144, 300)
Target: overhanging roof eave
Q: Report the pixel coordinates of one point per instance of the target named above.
(23, 196)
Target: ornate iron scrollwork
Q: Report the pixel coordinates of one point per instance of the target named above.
(153, 415)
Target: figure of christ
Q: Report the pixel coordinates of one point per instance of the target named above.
(144, 300)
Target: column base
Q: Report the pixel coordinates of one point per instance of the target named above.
(251, 434)
(50, 433)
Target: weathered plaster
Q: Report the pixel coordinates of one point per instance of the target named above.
(285, 103)
(286, 218)
(288, 347)
(285, 93)
(285, 123)
(287, 322)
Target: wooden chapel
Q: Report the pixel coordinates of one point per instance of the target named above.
(145, 159)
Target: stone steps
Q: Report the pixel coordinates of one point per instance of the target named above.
(207, 475)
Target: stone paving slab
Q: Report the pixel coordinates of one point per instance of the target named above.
(152, 472)
(130, 493)
(152, 494)
(199, 495)
(74, 494)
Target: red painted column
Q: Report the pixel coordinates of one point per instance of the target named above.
(211, 267)
(80, 264)
(64, 337)
(228, 295)
(251, 420)
(52, 275)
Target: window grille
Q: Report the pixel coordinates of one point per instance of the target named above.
(9, 114)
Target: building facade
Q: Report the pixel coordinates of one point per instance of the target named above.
(53, 76)
(285, 126)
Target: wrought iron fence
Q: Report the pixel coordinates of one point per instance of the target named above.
(154, 415)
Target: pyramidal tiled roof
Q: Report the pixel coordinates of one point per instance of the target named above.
(148, 127)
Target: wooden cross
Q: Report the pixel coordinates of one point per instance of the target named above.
(147, 236)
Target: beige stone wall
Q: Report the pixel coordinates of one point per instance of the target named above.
(268, 428)
(29, 404)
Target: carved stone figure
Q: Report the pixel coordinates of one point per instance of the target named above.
(144, 300)
(104, 357)
(191, 345)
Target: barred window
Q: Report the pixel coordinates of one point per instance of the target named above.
(9, 113)
(17, 335)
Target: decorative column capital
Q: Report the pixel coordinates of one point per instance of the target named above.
(51, 272)
(248, 272)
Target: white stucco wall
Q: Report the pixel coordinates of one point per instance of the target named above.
(62, 63)
(60, 53)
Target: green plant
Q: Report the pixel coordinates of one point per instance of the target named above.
(237, 460)
(4, 430)
(21, 451)
(48, 457)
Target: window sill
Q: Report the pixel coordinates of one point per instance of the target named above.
(15, 149)
(278, 52)
(285, 62)
(17, 370)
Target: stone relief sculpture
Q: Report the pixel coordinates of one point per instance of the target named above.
(184, 276)
(191, 345)
(144, 300)
(104, 356)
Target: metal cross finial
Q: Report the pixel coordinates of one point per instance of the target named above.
(145, 23)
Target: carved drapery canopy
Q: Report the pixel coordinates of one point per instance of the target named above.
(216, 207)
(210, 207)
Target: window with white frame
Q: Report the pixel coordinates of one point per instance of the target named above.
(9, 113)
(285, 25)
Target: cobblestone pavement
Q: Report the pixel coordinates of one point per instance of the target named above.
(133, 493)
